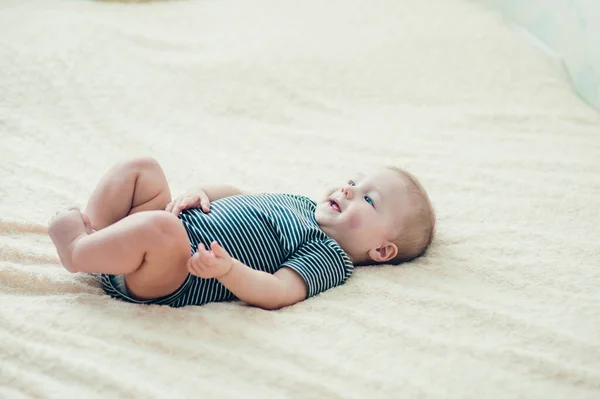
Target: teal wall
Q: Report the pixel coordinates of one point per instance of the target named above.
(571, 28)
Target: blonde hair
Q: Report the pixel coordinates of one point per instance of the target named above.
(419, 224)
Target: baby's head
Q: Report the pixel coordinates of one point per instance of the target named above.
(381, 217)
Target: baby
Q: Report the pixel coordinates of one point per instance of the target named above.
(216, 243)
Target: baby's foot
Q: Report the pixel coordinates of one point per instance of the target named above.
(64, 230)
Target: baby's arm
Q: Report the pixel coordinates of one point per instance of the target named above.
(267, 291)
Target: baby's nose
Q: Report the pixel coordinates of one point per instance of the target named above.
(347, 191)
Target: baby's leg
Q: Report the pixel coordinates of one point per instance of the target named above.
(128, 187)
(150, 248)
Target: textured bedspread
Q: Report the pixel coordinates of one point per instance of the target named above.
(291, 96)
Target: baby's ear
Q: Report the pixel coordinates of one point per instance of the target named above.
(384, 253)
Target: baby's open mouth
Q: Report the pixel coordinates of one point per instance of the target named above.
(334, 205)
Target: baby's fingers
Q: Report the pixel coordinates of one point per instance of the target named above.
(174, 207)
(205, 203)
(194, 267)
(205, 256)
(218, 250)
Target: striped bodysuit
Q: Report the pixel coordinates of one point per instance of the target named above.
(263, 231)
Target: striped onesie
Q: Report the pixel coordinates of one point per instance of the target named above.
(265, 232)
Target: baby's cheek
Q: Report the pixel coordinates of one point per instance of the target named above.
(354, 221)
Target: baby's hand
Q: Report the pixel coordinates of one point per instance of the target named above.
(196, 198)
(210, 264)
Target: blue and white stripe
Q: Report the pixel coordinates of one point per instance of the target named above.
(265, 232)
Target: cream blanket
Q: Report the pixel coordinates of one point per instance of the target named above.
(291, 96)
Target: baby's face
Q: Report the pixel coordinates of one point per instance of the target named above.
(364, 213)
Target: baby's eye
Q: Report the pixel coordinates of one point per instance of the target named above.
(369, 200)
(351, 183)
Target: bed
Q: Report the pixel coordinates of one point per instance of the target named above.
(286, 96)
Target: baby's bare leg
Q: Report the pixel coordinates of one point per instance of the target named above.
(127, 188)
(150, 248)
